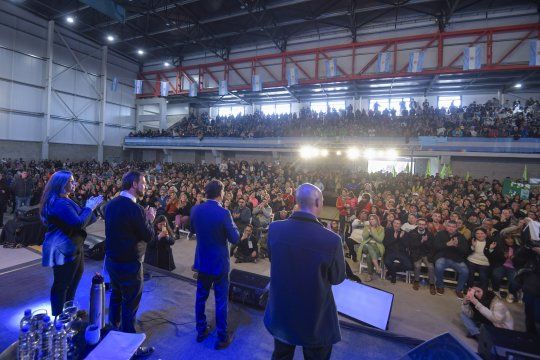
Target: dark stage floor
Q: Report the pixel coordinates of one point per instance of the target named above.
(168, 299)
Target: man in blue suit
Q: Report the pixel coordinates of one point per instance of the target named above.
(306, 260)
(213, 225)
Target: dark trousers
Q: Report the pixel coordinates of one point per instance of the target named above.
(342, 223)
(283, 351)
(483, 273)
(3, 206)
(397, 262)
(127, 286)
(66, 280)
(221, 293)
(350, 245)
(532, 312)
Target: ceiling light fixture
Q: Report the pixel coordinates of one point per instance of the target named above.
(110, 38)
(70, 19)
(166, 64)
(140, 52)
(518, 86)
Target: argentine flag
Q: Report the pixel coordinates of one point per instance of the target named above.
(534, 59)
(383, 62)
(472, 59)
(416, 61)
(193, 89)
(256, 83)
(331, 68)
(164, 88)
(223, 89)
(292, 76)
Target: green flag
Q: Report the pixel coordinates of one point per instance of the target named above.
(524, 176)
(407, 169)
(428, 169)
(394, 173)
(449, 170)
(468, 176)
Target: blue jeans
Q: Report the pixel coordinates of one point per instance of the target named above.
(499, 273)
(21, 201)
(469, 323)
(483, 273)
(221, 293)
(460, 267)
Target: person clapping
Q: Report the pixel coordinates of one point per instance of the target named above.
(247, 249)
(158, 250)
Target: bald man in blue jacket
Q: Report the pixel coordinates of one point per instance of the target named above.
(306, 260)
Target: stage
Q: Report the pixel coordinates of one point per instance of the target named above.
(168, 299)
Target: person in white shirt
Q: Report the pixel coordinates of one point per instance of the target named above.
(477, 261)
(410, 224)
(484, 307)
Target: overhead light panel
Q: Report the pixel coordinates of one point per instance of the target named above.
(70, 19)
(391, 154)
(353, 153)
(166, 64)
(518, 86)
(110, 38)
(140, 52)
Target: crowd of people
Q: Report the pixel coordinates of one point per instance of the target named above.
(404, 222)
(491, 119)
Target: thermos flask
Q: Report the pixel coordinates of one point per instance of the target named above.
(97, 301)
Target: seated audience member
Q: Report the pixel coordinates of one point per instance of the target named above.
(463, 230)
(357, 231)
(436, 223)
(395, 251)
(477, 261)
(158, 250)
(484, 307)
(372, 245)
(450, 251)
(500, 255)
(410, 224)
(182, 215)
(343, 206)
(333, 226)
(282, 214)
(420, 246)
(262, 214)
(247, 249)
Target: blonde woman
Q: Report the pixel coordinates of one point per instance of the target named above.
(372, 245)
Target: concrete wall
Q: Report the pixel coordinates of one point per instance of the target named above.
(495, 168)
(31, 150)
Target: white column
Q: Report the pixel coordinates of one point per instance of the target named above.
(46, 129)
(102, 103)
(162, 114)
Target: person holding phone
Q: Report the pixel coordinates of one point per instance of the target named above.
(63, 245)
(158, 251)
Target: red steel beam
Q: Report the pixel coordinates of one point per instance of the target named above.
(458, 56)
(422, 49)
(489, 46)
(267, 70)
(299, 67)
(237, 73)
(211, 74)
(515, 47)
(337, 65)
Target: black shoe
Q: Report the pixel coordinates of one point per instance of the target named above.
(469, 336)
(144, 351)
(223, 344)
(108, 287)
(393, 278)
(203, 335)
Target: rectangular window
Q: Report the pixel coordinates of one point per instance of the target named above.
(229, 110)
(271, 109)
(446, 101)
(337, 105)
(319, 106)
(383, 104)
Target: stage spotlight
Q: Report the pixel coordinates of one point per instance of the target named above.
(518, 86)
(353, 153)
(110, 38)
(324, 152)
(70, 19)
(369, 153)
(338, 153)
(391, 154)
(166, 64)
(308, 152)
(140, 52)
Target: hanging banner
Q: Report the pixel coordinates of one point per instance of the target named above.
(114, 84)
(534, 59)
(416, 61)
(513, 188)
(383, 62)
(331, 68)
(472, 59)
(138, 87)
(193, 89)
(292, 76)
(164, 88)
(223, 89)
(256, 83)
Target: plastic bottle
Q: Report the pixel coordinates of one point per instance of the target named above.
(27, 318)
(25, 351)
(47, 333)
(60, 343)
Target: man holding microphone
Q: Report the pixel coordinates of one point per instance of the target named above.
(128, 228)
(306, 260)
(214, 226)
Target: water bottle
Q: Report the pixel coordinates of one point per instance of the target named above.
(27, 318)
(423, 282)
(97, 302)
(24, 350)
(60, 343)
(47, 333)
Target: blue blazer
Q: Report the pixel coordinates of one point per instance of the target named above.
(66, 223)
(306, 260)
(214, 226)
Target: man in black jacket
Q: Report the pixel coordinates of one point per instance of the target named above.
(4, 197)
(395, 252)
(247, 249)
(450, 251)
(22, 187)
(128, 228)
(420, 246)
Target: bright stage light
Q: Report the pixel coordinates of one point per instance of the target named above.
(309, 152)
(338, 153)
(518, 86)
(353, 153)
(369, 153)
(391, 154)
(70, 19)
(324, 152)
